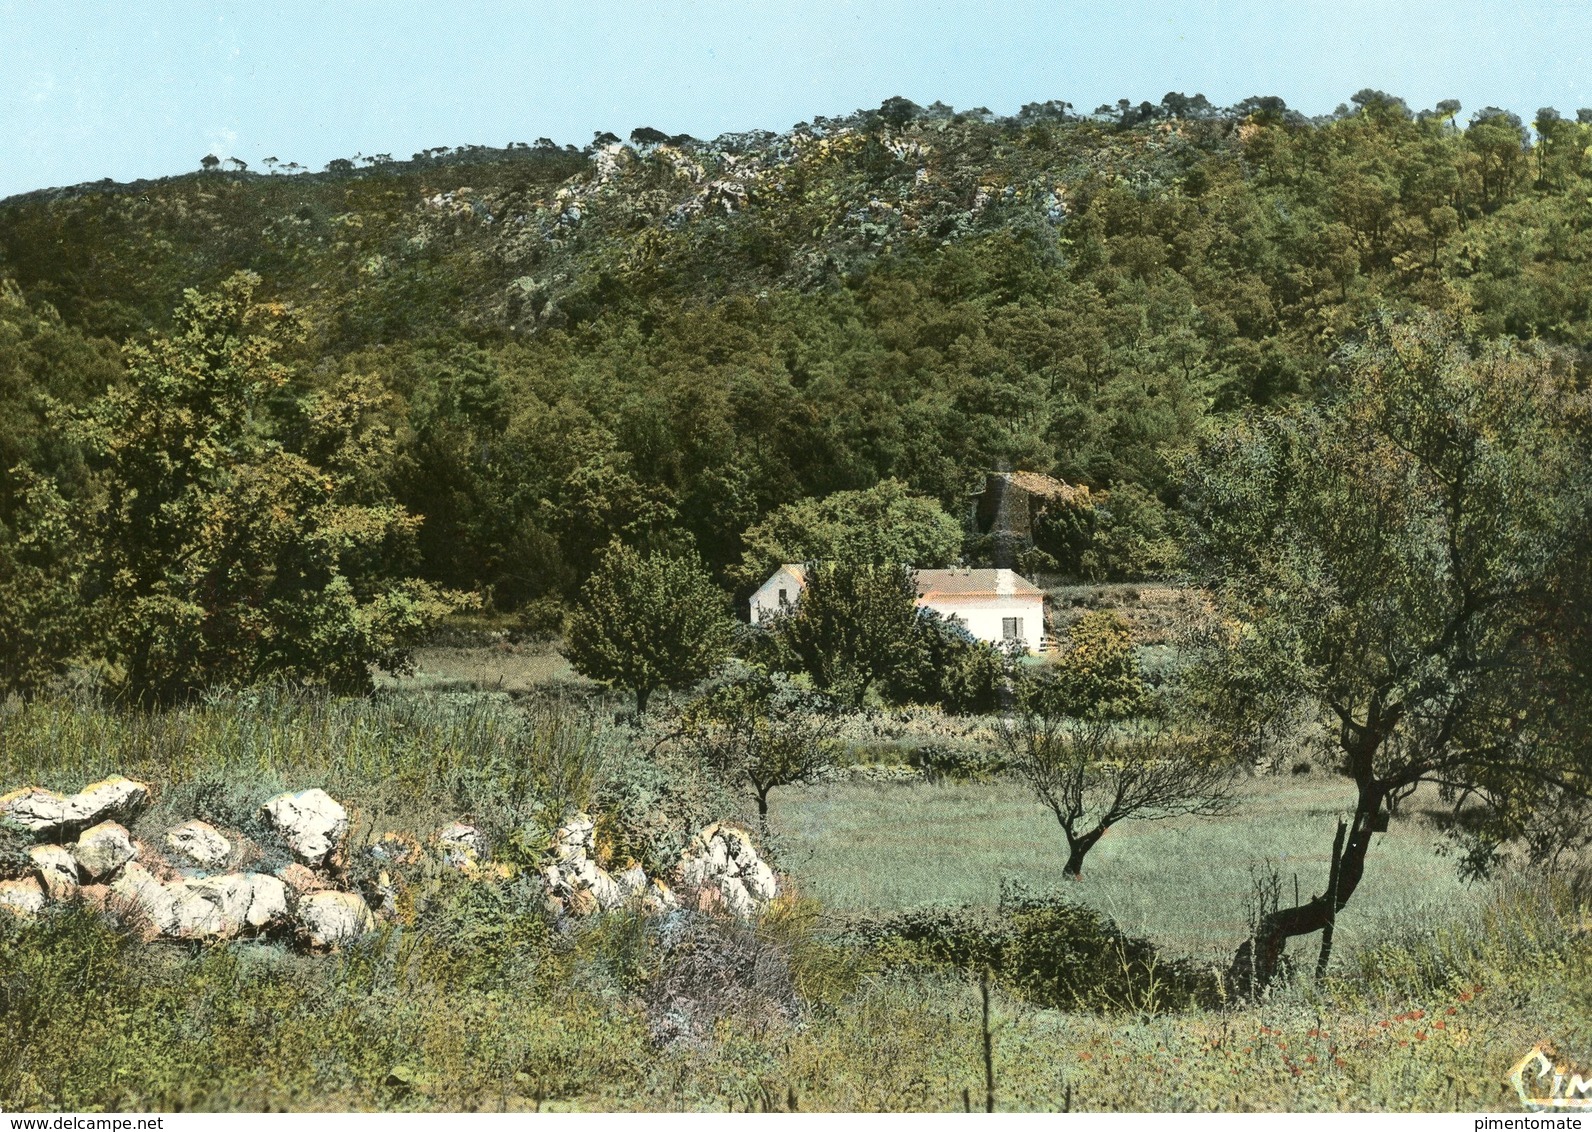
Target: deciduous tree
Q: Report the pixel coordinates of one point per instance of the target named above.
(854, 627)
(763, 730)
(647, 621)
(1098, 748)
(223, 556)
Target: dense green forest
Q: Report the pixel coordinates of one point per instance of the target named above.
(664, 340)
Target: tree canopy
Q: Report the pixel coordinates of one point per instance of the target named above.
(647, 621)
(1398, 566)
(883, 524)
(695, 334)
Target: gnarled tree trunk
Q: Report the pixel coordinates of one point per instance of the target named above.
(1255, 965)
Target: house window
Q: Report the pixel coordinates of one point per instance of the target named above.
(784, 597)
(1011, 628)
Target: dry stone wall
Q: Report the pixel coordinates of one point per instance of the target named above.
(194, 888)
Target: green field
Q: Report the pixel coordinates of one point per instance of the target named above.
(1185, 883)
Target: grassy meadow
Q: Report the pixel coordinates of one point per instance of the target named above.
(473, 999)
(1186, 883)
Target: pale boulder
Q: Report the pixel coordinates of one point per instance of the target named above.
(113, 797)
(575, 882)
(136, 893)
(461, 845)
(40, 812)
(23, 897)
(269, 901)
(198, 842)
(102, 850)
(722, 859)
(311, 822)
(331, 919)
(57, 870)
(204, 909)
(244, 902)
(631, 880)
(195, 914)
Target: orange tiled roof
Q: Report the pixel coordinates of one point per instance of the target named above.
(970, 583)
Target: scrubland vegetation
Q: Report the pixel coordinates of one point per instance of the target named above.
(857, 990)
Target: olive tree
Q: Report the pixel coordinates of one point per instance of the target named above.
(1399, 565)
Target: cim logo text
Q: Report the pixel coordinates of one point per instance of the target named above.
(1545, 1082)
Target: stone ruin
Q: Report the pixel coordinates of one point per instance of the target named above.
(195, 887)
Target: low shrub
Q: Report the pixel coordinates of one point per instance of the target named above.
(648, 807)
(541, 619)
(1045, 949)
(946, 763)
(713, 968)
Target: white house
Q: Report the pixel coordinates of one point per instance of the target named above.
(993, 605)
(779, 592)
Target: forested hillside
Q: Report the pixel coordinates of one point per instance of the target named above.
(663, 340)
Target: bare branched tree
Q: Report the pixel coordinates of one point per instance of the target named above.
(1095, 772)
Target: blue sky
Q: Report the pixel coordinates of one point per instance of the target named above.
(128, 90)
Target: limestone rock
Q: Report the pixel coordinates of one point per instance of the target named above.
(462, 845)
(200, 843)
(113, 797)
(22, 897)
(40, 812)
(311, 822)
(658, 898)
(195, 914)
(631, 880)
(46, 814)
(205, 908)
(57, 870)
(102, 850)
(331, 919)
(245, 902)
(574, 838)
(575, 882)
(146, 901)
(722, 859)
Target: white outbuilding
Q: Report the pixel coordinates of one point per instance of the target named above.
(993, 605)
